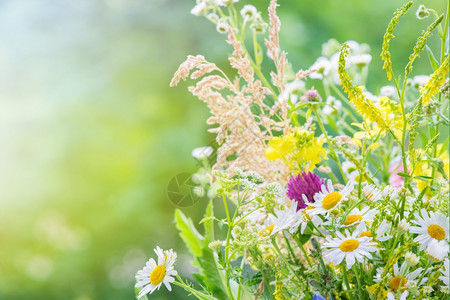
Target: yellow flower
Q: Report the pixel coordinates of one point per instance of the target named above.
(368, 132)
(424, 168)
(280, 146)
(298, 149)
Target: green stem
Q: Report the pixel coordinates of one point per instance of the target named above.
(344, 269)
(290, 248)
(332, 151)
(227, 247)
(242, 277)
(443, 43)
(355, 269)
(288, 265)
(196, 293)
(297, 240)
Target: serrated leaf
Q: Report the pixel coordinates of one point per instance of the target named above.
(191, 237)
(211, 276)
(432, 58)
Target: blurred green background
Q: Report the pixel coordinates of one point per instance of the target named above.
(91, 133)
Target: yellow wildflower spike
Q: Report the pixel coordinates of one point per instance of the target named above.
(437, 79)
(385, 55)
(420, 44)
(364, 106)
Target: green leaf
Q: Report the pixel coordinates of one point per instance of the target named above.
(308, 114)
(444, 147)
(191, 237)
(433, 61)
(424, 178)
(211, 278)
(208, 224)
(304, 238)
(403, 175)
(439, 167)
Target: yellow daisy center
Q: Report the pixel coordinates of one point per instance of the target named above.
(305, 213)
(394, 284)
(352, 219)
(266, 231)
(330, 200)
(363, 178)
(436, 232)
(349, 245)
(158, 274)
(366, 233)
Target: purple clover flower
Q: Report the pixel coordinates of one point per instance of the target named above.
(305, 183)
(312, 95)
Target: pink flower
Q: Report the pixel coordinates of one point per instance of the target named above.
(395, 179)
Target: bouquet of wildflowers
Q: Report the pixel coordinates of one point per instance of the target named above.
(340, 193)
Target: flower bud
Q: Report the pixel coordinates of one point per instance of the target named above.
(403, 226)
(422, 12)
(411, 258)
(215, 245)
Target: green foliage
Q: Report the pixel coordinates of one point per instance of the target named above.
(208, 225)
(191, 237)
(433, 61)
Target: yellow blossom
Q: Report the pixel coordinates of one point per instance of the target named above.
(424, 168)
(299, 149)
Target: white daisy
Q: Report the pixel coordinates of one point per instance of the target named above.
(403, 296)
(390, 191)
(388, 91)
(378, 275)
(401, 278)
(222, 26)
(306, 217)
(445, 274)
(437, 251)
(225, 2)
(292, 91)
(327, 199)
(288, 219)
(372, 193)
(354, 177)
(322, 67)
(153, 275)
(430, 227)
(332, 104)
(348, 167)
(350, 247)
(360, 60)
(256, 217)
(248, 12)
(383, 231)
(360, 217)
(420, 80)
(199, 9)
(266, 230)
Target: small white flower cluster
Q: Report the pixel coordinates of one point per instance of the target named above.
(326, 66)
(210, 9)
